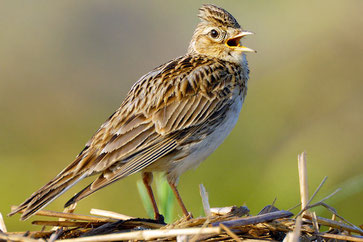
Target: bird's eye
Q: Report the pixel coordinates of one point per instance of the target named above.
(214, 33)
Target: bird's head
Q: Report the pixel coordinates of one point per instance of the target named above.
(218, 35)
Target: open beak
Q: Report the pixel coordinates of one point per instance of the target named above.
(234, 42)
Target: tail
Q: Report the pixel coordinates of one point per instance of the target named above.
(47, 194)
(102, 181)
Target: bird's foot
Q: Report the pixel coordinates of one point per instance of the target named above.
(189, 216)
(159, 218)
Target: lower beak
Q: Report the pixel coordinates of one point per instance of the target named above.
(234, 42)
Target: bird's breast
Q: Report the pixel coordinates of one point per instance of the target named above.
(199, 151)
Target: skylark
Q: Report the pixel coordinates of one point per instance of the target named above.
(172, 119)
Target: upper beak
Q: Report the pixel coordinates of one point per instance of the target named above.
(234, 42)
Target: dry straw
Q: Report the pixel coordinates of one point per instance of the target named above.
(231, 223)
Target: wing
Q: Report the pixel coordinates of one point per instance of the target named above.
(176, 96)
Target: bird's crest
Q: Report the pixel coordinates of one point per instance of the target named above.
(212, 13)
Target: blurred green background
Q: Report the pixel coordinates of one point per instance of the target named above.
(66, 66)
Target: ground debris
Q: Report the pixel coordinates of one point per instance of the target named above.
(272, 224)
(232, 223)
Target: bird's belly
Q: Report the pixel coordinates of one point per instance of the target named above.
(201, 150)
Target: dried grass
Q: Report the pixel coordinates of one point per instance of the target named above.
(221, 224)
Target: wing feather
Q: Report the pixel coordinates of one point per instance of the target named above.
(126, 138)
(113, 174)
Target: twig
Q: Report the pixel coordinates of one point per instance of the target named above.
(335, 214)
(303, 180)
(149, 234)
(2, 224)
(272, 205)
(335, 224)
(297, 205)
(221, 211)
(314, 219)
(68, 223)
(295, 234)
(231, 210)
(70, 216)
(268, 209)
(69, 209)
(317, 190)
(197, 236)
(330, 195)
(333, 217)
(110, 214)
(255, 219)
(205, 200)
(333, 211)
(318, 203)
(230, 233)
(341, 237)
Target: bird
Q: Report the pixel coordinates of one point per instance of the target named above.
(171, 120)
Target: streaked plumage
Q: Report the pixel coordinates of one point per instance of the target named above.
(172, 118)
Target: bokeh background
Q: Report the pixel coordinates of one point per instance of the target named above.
(65, 66)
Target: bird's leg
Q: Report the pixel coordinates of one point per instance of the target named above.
(147, 178)
(180, 201)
